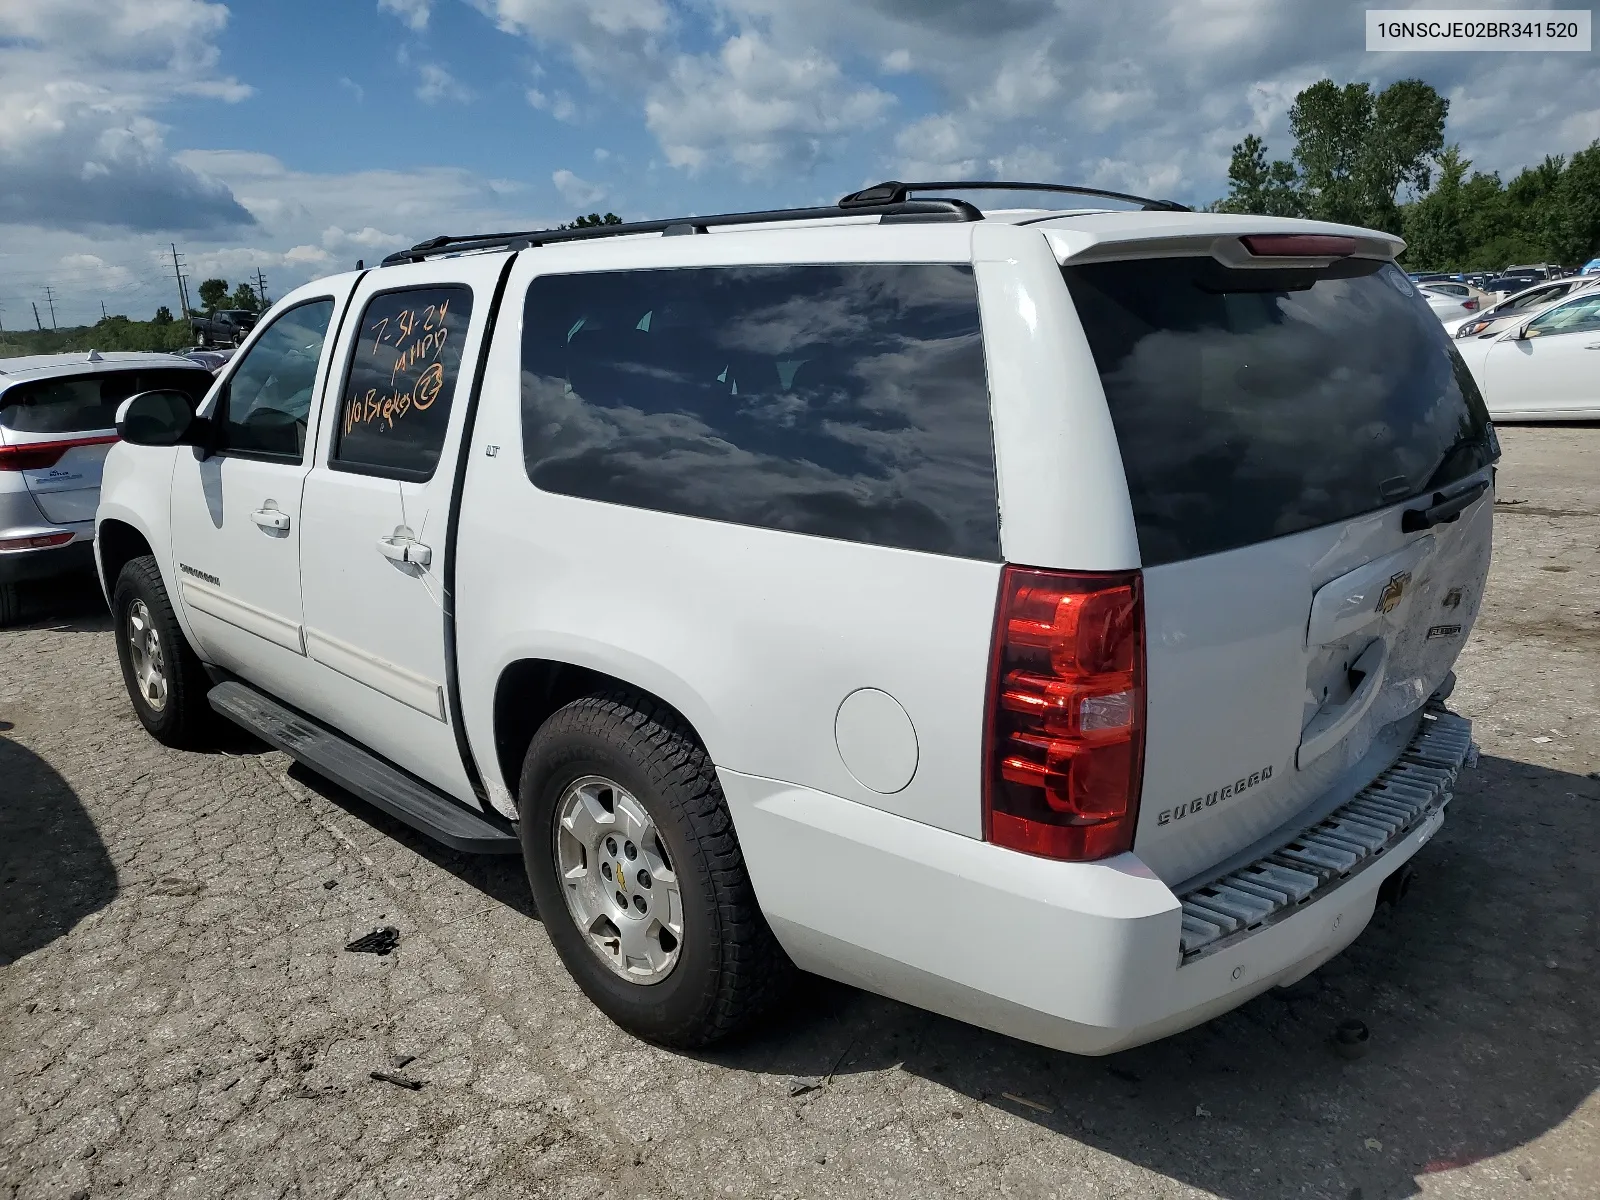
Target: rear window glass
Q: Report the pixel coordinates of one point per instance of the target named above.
(1251, 404)
(843, 401)
(89, 402)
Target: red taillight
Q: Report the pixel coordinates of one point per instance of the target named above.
(1064, 746)
(41, 541)
(1299, 245)
(1469, 305)
(36, 456)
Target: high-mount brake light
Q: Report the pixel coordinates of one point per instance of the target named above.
(1064, 743)
(1299, 245)
(38, 456)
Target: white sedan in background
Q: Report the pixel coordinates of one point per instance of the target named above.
(1452, 302)
(1519, 307)
(1547, 368)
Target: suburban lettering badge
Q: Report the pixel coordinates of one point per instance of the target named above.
(1211, 799)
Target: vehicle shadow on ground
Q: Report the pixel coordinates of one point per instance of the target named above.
(70, 605)
(54, 869)
(499, 877)
(1480, 993)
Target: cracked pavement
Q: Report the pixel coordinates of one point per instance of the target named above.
(178, 1015)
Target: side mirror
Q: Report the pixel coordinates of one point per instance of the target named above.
(160, 418)
(1524, 331)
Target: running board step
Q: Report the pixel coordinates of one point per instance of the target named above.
(368, 776)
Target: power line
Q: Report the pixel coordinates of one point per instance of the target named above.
(50, 299)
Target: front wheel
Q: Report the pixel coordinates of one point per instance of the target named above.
(638, 875)
(164, 677)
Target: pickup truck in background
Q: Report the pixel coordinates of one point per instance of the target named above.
(224, 327)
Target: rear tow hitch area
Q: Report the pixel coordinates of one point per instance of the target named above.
(1395, 888)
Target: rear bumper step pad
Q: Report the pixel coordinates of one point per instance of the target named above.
(368, 776)
(1312, 863)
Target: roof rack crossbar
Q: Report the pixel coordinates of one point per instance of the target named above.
(898, 210)
(895, 192)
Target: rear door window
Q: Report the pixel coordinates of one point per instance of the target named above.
(395, 407)
(1250, 404)
(86, 403)
(843, 401)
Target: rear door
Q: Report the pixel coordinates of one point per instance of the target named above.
(69, 423)
(377, 510)
(1276, 423)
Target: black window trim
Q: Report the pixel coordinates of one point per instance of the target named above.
(219, 413)
(400, 474)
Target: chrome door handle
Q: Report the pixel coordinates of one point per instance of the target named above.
(1593, 346)
(405, 550)
(270, 518)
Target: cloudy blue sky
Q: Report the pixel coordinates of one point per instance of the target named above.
(296, 136)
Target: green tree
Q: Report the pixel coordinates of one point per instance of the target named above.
(213, 294)
(1257, 186)
(1355, 150)
(1435, 233)
(244, 296)
(590, 221)
(163, 316)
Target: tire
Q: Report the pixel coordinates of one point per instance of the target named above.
(148, 634)
(726, 967)
(10, 604)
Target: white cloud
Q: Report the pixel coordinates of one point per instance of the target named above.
(559, 106)
(438, 84)
(575, 191)
(413, 12)
(896, 62)
(609, 40)
(80, 82)
(758, 108)
(354, 88)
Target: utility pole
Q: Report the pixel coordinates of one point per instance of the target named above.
(36, 320)
(177, 271)
(103, 316)
(50, 299)
(261, 287)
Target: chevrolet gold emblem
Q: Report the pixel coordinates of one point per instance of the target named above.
(1393, 590)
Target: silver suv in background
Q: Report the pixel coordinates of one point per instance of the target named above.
(57, 420)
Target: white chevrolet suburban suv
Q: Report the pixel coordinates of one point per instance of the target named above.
(1044, 618)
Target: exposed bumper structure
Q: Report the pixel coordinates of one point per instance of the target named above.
(1085, 957)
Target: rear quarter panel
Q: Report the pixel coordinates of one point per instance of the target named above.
(756, 636)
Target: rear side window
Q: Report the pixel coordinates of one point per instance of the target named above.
(1250, 404)
(396, 402)
(89, 402)
(842, 401)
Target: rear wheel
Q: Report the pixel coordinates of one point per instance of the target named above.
(638, 875)
(164, 677)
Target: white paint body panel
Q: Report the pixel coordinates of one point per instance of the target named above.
(375, 627)
(1079, 956)
(878, 876)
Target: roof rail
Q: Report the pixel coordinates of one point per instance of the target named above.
(895, 192)
(890, 211)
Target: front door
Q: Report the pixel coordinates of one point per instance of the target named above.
(376, 512)
(236, 508)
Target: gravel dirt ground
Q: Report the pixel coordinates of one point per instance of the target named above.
(178, 1016)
